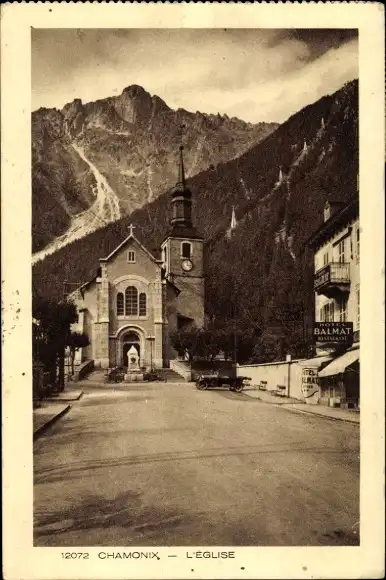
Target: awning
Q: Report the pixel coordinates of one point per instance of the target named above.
(340, 364)
(315, 363)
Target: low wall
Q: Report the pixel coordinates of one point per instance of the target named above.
(83, 370)
(287, 373)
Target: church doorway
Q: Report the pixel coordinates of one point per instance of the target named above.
(130, 339)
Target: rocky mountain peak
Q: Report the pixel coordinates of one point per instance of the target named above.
(134, 104)
(71, 109)
(131, 140)
(135, 91)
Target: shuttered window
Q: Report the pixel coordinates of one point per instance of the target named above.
(327, 312)
(131, 256)
(343, 311)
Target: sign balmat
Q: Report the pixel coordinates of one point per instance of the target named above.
(333, 332)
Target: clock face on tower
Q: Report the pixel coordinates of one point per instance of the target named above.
(186, 265)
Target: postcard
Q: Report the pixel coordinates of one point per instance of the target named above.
(193, 315)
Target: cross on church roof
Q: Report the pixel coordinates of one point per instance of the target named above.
(131, 228)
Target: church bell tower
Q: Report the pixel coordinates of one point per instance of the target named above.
(181, 200)
(183, 254)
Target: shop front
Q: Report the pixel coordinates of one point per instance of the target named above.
(339, 381)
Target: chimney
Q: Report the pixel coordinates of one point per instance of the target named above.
(330, 208)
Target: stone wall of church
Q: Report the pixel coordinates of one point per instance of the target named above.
(102, 326)
(143, 266)
(140, 274)
(113, 354)
(89, 306)
(171, 326)
(106, 329)
(145, 276)
(190, 302)
(88, 328)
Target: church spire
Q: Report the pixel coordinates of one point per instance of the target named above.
(181, 169)
(233, 223)
(233, 218)
(181, 200)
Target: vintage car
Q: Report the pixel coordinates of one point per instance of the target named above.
(215, 381)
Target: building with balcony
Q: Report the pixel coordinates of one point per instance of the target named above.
(336, 247)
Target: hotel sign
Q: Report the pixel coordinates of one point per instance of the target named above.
(341, 332)
(310, 385)
(322, 277)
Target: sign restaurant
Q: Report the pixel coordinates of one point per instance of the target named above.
(323, 276)
(341, 332)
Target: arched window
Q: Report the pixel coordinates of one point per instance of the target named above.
(120, 304)
(186, 250)
(142, 304)
(131, 301)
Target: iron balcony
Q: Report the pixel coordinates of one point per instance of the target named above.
(333, 280)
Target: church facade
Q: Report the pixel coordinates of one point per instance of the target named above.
(138, 300)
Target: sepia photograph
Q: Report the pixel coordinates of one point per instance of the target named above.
(198, 201)
(196, 319)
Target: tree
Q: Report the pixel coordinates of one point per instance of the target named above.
(76, 340)
(198, 342)
(185, 340)
(51, 334)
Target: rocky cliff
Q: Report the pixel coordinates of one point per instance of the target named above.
(127, 142)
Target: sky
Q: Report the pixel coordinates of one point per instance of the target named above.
(254, 74)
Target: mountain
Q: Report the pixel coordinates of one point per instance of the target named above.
(93, 163)
(265, 265)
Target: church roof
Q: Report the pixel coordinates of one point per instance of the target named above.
(131, 236)
(182, 231)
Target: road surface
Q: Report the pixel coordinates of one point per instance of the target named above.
(165, 464)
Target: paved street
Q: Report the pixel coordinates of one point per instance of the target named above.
(165, 464)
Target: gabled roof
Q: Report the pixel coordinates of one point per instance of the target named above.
(338, 219)
(132, 237)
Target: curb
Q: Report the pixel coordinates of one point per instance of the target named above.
(287, 408)
(64, 401)
(40, 430)
(320, 415)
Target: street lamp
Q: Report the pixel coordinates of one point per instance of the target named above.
(151, 339)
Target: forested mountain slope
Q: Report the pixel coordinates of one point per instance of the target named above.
(264, 265)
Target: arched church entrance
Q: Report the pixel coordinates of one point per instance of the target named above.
(130, 339)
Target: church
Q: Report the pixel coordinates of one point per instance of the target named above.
(130, 310)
